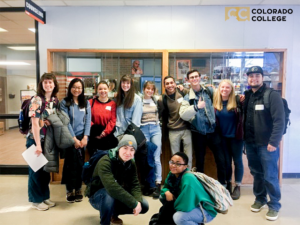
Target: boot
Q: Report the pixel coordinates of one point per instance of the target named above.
(156, 193)
(229, 187)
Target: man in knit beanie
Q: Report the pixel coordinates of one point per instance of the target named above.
(118, 192)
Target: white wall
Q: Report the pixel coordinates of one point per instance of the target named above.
(190, 27)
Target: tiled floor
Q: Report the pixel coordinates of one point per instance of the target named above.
(15, 209)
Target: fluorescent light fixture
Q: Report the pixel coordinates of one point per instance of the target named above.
(7, 63)
(32, 29)
(23, 48)
(2, 30)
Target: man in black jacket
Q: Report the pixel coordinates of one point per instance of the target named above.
(263, 132)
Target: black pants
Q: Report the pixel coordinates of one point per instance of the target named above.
(72, 170)
(213, 141)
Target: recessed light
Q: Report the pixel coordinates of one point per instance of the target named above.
(23, 48)
(32, 29)
(7, 63)
(2, 30)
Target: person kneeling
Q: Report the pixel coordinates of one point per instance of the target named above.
(118, 191)
(183, 196)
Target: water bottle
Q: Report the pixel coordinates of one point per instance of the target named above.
(21, 118)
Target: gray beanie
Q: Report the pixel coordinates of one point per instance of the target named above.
(127, 140)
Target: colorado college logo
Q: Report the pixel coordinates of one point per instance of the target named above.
(130, 142)
(240, 13)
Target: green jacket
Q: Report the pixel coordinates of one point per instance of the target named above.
(118, 178)
(191, 193)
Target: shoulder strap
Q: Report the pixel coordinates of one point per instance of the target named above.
(209, 92)
(93, 102)
(165, 103)
(266, 97)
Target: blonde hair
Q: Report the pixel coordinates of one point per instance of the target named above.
(231, 105)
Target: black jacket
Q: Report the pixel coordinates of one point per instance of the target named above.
(268, 123)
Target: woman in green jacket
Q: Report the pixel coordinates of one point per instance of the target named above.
(186, 194)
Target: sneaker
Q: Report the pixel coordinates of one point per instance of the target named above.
(40, 206)
(156, 193)
(116, 221)
(257, 206)
(272, 215)
(70, 197)
(49, 203)
(236, 193)
(78, 196)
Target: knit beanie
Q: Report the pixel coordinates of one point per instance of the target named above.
(128, 140)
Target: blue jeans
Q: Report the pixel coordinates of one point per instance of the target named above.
(38, 182)
(152, 133)
(263, 166)
(193, 217)
(233, 150)
(108, 206)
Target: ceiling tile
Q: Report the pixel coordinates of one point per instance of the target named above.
(230, 2)
(15, 3)
(162, 3)
(280, 2)
(17, 16)
(3, 18)
(94, 3)
(49, 3)
(8, 25)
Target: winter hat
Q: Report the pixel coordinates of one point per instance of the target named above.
(128, 140)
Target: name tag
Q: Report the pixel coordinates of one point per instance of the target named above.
(51, 105)
(82, 110)
(180, 100)
(108, 108)
(259, 107)
(152, 104)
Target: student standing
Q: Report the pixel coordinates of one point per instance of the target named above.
(230, 126)
(41, 106)
(79, 112)
(150, 126)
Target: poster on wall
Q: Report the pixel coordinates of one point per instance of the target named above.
(26, 94)
(182, 66)
(137, 67)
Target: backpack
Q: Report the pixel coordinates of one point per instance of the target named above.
(218, 193)
(24, 119)
(287, 111)
(89, 167)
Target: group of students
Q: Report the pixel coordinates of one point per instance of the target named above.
(199, 117)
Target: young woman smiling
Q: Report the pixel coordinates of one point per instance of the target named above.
(151, 128)
(103, 121)
(229, 123)
(79, 112)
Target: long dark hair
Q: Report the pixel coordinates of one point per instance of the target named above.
(129, 99)
(47, 76)
(81, 99)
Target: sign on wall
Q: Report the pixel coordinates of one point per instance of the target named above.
(34, 11)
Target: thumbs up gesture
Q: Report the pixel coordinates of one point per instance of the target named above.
(201, 103)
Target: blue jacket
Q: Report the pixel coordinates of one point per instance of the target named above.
(80, 119)
(128, 116)
(203, 120)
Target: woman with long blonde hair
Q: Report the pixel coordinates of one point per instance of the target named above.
(229, 123)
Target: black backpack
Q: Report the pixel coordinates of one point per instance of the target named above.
(89, 167)
(24, 119)
(287, 111)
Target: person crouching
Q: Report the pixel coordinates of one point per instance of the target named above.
(118, 191)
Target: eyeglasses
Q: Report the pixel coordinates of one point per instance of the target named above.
(176, 164)
(194, 77)
(77, 88)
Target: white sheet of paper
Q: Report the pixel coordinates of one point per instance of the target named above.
(34, 161)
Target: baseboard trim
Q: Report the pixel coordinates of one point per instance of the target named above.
(290, 175)
(14, 169)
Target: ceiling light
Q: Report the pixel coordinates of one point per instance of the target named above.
(32, 29)
(2, 30)
(23, 48)
(7, 63)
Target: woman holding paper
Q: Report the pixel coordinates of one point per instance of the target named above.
(42, 105)
(79, 111)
